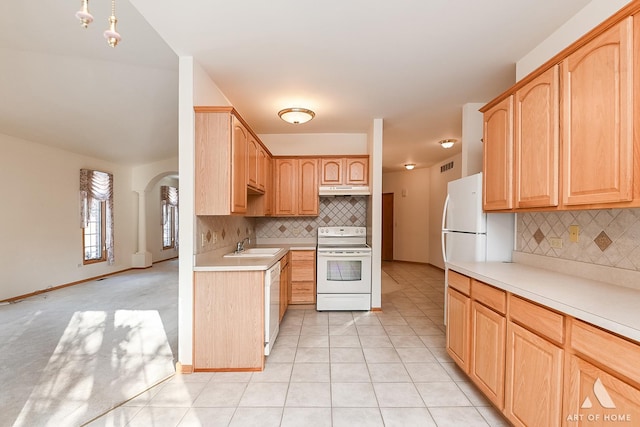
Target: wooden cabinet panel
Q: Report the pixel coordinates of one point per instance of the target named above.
(239, 164)
(286, 186)
(458, 318)
(296, 182)
(497, 158)
(357, 171)
(487, 367)
(308, 200)
(536, 141)
(263, 164)
(538, 319)
(493, 298)
(459, 282)
(253, 160)
(303, 277)
(284, 284)
(596, 398)
(228, 321)
(598, 119)
(533, 390)
(212, 173)
(331, 171)
(609, 350)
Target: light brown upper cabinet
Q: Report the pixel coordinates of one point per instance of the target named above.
(536, 141)
(296, 182)
(220, 162)
(344, 171)
(253, 168)
(576, 141)
(598, 119)
(498, 156)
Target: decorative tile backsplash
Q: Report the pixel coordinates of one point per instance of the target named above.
(215, 232)
(609, 237)
(334, 211)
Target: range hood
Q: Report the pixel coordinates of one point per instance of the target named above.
(344, 190)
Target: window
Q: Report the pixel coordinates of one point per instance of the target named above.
(96, 206)
(169, 200)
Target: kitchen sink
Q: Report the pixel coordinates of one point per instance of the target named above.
(254, 253)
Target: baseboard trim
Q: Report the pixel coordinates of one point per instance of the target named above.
(184, 369)
(78, 282)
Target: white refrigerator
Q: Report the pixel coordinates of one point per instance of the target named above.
(468, 233)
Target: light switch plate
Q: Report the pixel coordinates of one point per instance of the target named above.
(556, 242)
(574, 233)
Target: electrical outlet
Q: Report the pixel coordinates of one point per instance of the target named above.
(574, 233)
(555, 242)
(214, 237)
(203, 240)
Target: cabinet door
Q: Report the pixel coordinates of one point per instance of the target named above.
(497, 159)
(268, 186)
(533, 395)
(252, 161)
(263, 159)
(239, 167)
(286, 186)
(458, 316)
(303, 277)
(357, 171)
(331, 171)
(536, 142)
(597, 107)
(308, 199)
(488, 333)
(595, 398)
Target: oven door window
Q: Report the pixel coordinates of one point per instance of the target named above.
(344, 270)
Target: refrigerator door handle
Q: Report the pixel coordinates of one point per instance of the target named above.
(444, 230)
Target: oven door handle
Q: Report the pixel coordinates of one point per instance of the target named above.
(344, 254)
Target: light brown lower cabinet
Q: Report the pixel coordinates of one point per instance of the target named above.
(458, 315)
(284, 284)
(228, 321)
(540, 367)
(488, 332)
(533, 379)
(302, 277)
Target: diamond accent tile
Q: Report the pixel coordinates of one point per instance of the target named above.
(223, 233)
(538, 236)
(309, 228)
(282, 228)
(603, 241)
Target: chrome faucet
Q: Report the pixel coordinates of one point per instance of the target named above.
(240, 245)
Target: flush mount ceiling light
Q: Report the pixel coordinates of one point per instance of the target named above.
(296, 116)
(112, 36)
(447, 143)
(409, 166)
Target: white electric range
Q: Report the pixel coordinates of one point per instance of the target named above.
(344, 269)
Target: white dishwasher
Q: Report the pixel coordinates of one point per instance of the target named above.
(271, 306)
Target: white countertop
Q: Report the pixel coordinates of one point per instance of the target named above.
(612, 307)
(215, 261)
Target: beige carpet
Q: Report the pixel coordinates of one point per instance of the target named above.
(69, 355)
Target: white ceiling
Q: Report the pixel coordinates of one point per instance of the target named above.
(413, 63)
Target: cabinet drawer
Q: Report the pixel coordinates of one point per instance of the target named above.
(488, 295)
(459, 282)
(303, 292)
(607, 350)
(303, 256)
(303, 271)
(537, 319)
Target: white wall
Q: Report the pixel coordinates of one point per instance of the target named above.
(581, 23)
(411, 213)
(472, 130)
(438, 192)
(40, 228)
(375, 141)
(301, 144)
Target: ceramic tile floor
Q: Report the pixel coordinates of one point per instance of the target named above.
(337, 369)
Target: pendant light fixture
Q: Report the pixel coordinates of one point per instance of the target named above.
(83, 14)
(112, 36)
(296, 116)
